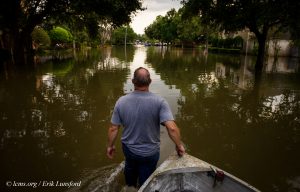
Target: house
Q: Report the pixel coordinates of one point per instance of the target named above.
(281, 45)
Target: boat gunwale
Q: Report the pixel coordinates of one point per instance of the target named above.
(206, 167)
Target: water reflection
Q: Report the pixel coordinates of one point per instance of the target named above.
(282, 65)
(54, 118)
(250, 130)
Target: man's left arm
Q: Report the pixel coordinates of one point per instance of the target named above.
(174, 134)
(112, 136)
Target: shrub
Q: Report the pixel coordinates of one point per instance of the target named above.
(40, 38)
(230, 43)
(60, 35)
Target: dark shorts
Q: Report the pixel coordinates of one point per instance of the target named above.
(138, 168)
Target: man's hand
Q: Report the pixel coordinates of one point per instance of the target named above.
(180, 150)
(112, 135)
(110, 151)
(174, 134)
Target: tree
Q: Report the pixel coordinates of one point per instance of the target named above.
(18, 18)
(175, 26)
(40, 37)
(164, 28)
(293, 21)
(105, 32)
(118, 35)
(190, 29)
(154, 30)
(169, 26)
(257, 15)
(85, 30)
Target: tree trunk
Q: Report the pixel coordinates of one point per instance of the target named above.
(261, 38)
(18, 33)
(260, 54)
(22, 46)
(17, 48)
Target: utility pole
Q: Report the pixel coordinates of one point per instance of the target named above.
(126, 36)
(125, 43)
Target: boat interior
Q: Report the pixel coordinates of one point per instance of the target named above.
(194, 181)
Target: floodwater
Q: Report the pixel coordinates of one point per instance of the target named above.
(54, 117)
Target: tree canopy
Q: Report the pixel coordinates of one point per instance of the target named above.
(173, 28)
(118, 35)
(260, 16)
(18, 18)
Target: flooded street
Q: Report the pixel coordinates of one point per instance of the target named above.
(54, 117)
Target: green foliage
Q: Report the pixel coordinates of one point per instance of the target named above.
(82, 36)
(116, 11)
(40, 37)
(174, 27)
(118, 36)
(232, 15)
(190, 30)
(142, 38)
(153, 31)
(230, 43)
(164, 28)
(19, 18)
(258, 16)
(60, 35)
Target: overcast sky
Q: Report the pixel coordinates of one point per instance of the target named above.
(154, 8)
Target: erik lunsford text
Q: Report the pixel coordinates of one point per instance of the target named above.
(34, 184)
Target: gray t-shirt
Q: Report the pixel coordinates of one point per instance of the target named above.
(141, 114)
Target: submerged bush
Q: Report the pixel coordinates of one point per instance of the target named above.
(40, 38)
(60, 35)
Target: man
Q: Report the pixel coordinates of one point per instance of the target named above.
(141, 113)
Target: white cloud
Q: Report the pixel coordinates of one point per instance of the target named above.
(154, 8)
(158, 5)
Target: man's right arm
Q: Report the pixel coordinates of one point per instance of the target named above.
(174, 134)
(112, 135)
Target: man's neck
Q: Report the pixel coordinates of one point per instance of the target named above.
(144, 89)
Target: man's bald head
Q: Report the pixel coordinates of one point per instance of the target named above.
(141, 77)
